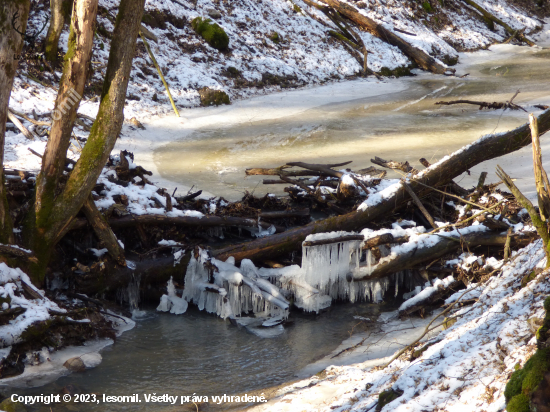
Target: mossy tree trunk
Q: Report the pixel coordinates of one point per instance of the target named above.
(71, 89)
(60, 14)
(11, 44)
(48, 228)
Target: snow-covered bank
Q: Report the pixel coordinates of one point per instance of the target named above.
(301, 53)
(466, 367)
(27, 313)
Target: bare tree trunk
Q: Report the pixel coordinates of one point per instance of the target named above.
(61, 13)
(485, 148)
(71, 89)
(11, 44)
(101, 141)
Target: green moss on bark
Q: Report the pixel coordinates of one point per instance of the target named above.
(524, 382)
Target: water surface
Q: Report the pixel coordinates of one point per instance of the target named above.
(399, 126)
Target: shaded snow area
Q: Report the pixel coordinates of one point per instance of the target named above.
(463, 368)
(28, 305)
(11, 296)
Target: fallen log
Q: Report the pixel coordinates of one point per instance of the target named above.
(16, 252)
(424, 60)
(416, 256)
(440, 294)
(333, 240)
(520, 36)
(384, 239)
(150, 272)
(207, 221)
(485, 148)
(285, 213)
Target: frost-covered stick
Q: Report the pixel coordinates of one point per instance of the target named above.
(26, 132)
(151, 55)
(11, 44)
(103, 231)
(485, 148)
(541, 178)
(419, 205)
(536, 220)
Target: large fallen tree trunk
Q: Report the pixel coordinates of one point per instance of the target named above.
(419, 56)
(485, 148)
(206, 221)
(515, 33)
(446, 244)
(149, 271)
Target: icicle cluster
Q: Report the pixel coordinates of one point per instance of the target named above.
(230, 291)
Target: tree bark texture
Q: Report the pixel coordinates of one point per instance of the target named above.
(60, 14)
(11, 44)
(71, 89)
(101, 140)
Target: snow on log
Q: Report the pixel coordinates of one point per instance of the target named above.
(430, 247)
(419, 56)
(487, 147)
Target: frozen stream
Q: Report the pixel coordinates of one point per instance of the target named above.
(394, 120)
(203, 354)
(210, 148)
